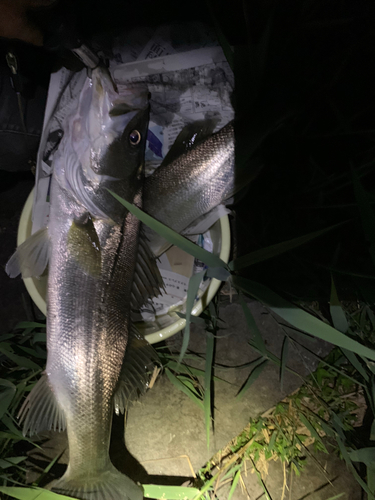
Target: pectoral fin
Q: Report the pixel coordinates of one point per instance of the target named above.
(83, 245)
(30, 258)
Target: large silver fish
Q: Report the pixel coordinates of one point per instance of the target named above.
(196, 176)
(99, 268)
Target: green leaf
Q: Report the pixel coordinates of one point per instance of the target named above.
(284, 357)
(169, 492)
(32, 493)
(7, 392)
(48, 468)
(5, 463)
(210, 344)
(275, 250)
(193, 288)
(356, 363)
(29, 324)
(312, 430)
(194, 319)
(349, 463)
(365, 455)
(227, 49)
(234, 484)
(366, 212)
(40, 337)
(372, 432)
(252, 377)
(253, 327)
(33, 352)
(19, 360)
(337, 313)
(301, 319)
(336, 496)
(176, 239)
(177, 383)
(183, 368)
(371, 477)
(271, 444)
(219, 273)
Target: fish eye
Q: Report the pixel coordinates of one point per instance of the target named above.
(134, 137)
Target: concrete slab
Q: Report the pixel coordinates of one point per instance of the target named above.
(166, 424)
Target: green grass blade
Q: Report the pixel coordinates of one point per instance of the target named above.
(252, 377)
(275, 250)
(193, 288)
(176, 239)
(253, 327)
(48, 468)
(7, 462)
(284, 357)
(234, 484)
(29, 324)
(183, 368)
(301, 319)
(312, 430)
(19, 360)
(349, 463)
(32, 493)
(366, 212)
(227, 49)
(210, 345)
(337, 313)
(271, 444)
(371, 477)
(372, 431)
(177, 383)
(365, 455)
(356, 363)
(40, 337)
(194, 319)
(169, 492)
(7, 392)
(336, 496)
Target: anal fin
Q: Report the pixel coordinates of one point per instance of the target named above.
(139, 360)
(147, 281)
(40, 411)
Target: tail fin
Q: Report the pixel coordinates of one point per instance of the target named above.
(108, 485)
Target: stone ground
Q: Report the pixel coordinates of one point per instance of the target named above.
(165, 433)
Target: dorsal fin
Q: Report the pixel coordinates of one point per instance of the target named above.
(190, 135)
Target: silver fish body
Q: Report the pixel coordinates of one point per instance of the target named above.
(93, 254)
(199, 179)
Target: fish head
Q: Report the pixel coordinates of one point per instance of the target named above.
(103, 148)
(121, 168)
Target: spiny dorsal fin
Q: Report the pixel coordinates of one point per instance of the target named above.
(136, 370)
(30, 258)
(147, 280)
(40, 411)
(188, 137)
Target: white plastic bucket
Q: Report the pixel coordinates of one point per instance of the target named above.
(164, 326)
